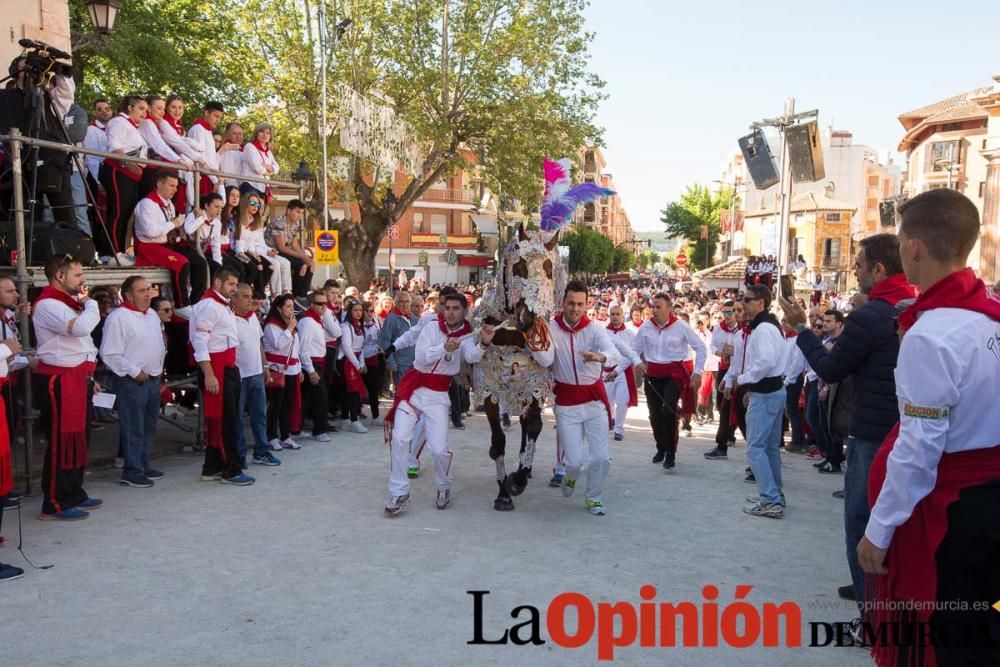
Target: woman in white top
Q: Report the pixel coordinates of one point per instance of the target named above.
(375, 364)
(259, 161)
(248, 232)
(281, 349)
(121, 178)
(351, 366)
(152, 132)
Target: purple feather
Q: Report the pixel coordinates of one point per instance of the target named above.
(558, 211)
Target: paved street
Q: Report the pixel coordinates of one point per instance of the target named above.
(303, 569)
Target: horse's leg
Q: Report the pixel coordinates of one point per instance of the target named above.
(498, 445)
(531, 427)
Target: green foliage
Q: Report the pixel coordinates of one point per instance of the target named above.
(624, 259)
(685, 219)
(589, 251)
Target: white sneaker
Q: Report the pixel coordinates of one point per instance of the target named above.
(345, 424)
(288, 443)
(119, 462)
(275, 445)
(378, 421)
(122, 260)
(322, 437)
(357, 427)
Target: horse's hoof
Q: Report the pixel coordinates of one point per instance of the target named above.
(503, 504)
(528, 472)
(515, 484)
(494, 453)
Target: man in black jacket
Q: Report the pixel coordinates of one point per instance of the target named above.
(866, 351)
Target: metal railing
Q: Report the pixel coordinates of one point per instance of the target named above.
(25, 278)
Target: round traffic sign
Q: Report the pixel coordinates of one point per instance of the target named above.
(326, 241)
(682, 272)
(681, 259)
(394, 232)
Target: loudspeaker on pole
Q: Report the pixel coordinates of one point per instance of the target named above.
(805, 152)
(760, 162)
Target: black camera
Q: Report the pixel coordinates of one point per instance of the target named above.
(41, 62)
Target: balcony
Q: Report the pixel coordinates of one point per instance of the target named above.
(441, 240)
(451, 196)
(832, 263)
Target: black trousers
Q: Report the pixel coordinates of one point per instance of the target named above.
(122, 195)
(61, 489)
(373, 383)
(725, 433)
(459, 399)
(333, 382)
(258, 278)
(225, 460)
(300, 284)
(195, 273)
(662, 396)
(279, 409)
(315, 401)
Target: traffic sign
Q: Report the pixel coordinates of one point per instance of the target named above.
(681, 259)
(327, 247)
(394, 232)
(422, 259)
(682, 273)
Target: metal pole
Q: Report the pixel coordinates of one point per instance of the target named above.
(786, 187)
(22, 288)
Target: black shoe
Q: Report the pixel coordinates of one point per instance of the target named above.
(458, 425)
(830, 469)
(136, 481)
(9, 572)
(11, 504)
(716, 454)
(820, 464)
(668, 462)
(839, 494)
(154, 474)
(846, 592)
(659, 457)
(750, 479)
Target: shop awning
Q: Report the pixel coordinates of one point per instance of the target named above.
(486, 224)
(473, 260)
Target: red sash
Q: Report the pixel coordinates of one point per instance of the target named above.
(568, 395)
(410, 382)
(213, 402)
(353, 381)
(69, 412)
(633, 394)
(372, 361)
(6, 462)
(283, 359)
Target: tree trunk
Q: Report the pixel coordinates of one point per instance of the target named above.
(358, 247)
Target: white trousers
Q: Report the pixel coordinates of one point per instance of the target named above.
(419, 442)
(618, 396)
(431, 407)
(573, 424)
(281, 275)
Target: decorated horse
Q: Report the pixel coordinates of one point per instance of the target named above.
(531, 278)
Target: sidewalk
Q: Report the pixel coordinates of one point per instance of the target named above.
(303, 569)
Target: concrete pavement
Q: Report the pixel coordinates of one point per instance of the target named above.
(303, 569)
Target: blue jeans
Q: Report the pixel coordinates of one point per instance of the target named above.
(856, 511)
(80, 202)
(763, 442)
(793, 391)
(253, 399)
(138, 409)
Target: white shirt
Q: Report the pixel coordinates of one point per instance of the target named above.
(331, 327)
(282, 342)
(212, 328)
(946, 384)
(711, 359)
(151, 135)
(765, 354)
(351, 345)
(9, 329)
(4, 354)
(124, 136)
(430, 355)
(64, 334)
(721, 338)
(206, 145)
(564, 355)
(152, 221)
(737, 360)
(795, 362)
(669, 344)
(209, 234)
(132, 342)
(96, 140)
(372, 331)
(249, 334)
(411, 335)
(178, 142)
(252, 240)
(253, 164)
(232, 162)
(622, 340)
(312, 342)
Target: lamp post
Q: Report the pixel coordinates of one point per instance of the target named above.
(306, 179)
(102, 15)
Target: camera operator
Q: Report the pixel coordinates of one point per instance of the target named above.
(36, 101)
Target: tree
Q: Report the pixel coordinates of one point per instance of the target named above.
(495, 83)
(589, 251)
(624, 259)
(697, 211)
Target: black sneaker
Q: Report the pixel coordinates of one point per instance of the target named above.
(9, 572)
(839, 494)
(458, 425)
(830, 469)
(820, 464)
(11, 503)
(750, 479)
(136, 482)
(716, 454)
(154, 474)
(846, 592)
(668, 462)
(658, 458)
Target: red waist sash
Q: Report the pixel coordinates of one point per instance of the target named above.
(282, 359)
(633, 393)
(69, 412)
(220, 361)
(410, 382)
(912, 557)
(6, 462)
(568, 395)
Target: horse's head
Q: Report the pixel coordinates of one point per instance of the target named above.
(530, 287)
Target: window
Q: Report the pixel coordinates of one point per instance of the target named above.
(873, 181)
(951, 127)
(871, 203)
(439, 223)
(589, 163)
(418, 222)
(589, 214)
(831, 253)
(833, 217)
(942, 152)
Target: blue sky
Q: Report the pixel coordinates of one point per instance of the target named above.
(685, 79)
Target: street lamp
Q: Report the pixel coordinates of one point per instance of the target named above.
(103, 14)
(306, 179)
